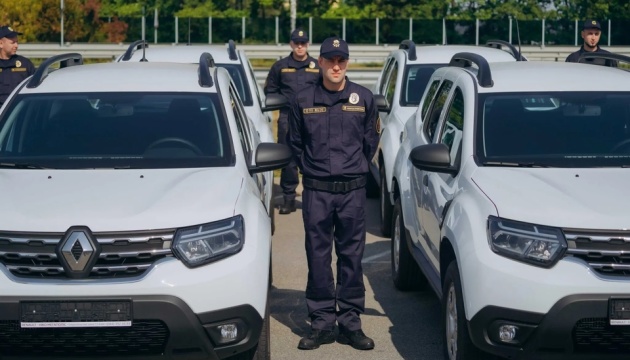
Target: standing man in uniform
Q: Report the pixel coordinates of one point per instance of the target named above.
(286, 77)
(333, 134)
(591, 33)
(13, 68)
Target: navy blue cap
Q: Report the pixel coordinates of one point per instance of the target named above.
(8, 32)
(299, 35)
(592, 24)
(334, 46)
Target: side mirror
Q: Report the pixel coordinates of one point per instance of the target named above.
(275, 102)
(432, 157)
(271, 156)
(381, 103)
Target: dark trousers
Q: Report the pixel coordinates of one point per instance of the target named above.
(340, 219)
(289, 174)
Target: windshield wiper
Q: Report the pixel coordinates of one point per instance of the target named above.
(22, 165)
(514, 164)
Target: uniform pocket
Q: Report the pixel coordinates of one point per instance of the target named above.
(317, 130)
(352, 128)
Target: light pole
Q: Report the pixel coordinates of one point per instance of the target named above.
(61, 44)
(293, 10)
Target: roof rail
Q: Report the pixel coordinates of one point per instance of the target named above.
(466, 59)
(232, 50)
(64, 60)
(410, 46)
(136, 45)
(499, 44)
(206, 61)
(589, 57)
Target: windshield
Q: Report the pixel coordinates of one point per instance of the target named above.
(115, 130)
(416, 79)
(568, 129)
(237, 73)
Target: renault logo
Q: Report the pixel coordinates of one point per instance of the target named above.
(78, 251)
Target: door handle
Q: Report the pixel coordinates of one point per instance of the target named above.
(425, 180)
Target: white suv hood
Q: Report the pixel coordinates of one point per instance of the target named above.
(577, 198)
(115, 200)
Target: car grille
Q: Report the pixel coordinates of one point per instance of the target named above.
(606, 252)
(594, 335)
(124, 254)
(144, 337)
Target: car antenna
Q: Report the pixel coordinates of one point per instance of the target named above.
(144, 40)
(518, 38)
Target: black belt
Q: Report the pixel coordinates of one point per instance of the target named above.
(335, 186)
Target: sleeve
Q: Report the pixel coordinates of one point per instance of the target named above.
(272, 84)
(571, 58)
(372, 131)
(295, 133)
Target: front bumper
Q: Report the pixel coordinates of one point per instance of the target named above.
(576, 327)
(163, 327)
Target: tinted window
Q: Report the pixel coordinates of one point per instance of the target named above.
(454, 126)
(433, 117)
(391, 84)
(237, 73)
(153, 130)
(416, 79)
(429, 97)
(570, 129)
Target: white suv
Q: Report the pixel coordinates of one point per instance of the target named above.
(511, 190)
(235, 61)
(398, 89)
(133, 220)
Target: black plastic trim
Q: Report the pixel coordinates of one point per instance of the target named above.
(466, 59)
(603, 55)
(206, 61)
(187, 339)
(64, 60)
(136, 45)
(498, 44)
(410, 46)
(232, 50)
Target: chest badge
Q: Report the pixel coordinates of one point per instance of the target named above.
(311, 65)
(354, 98)
(18, 63)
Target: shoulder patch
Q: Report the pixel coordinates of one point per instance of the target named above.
(314, 110)
(287, 70)
(353, 108)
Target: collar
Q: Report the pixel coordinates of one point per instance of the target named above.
(297, 63)
(320, 96)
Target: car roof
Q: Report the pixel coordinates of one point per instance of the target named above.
(186, 54)
(120, 77)
(526, 76)
(442, 54)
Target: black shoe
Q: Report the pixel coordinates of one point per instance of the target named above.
(356, 339)
(316, 338)
(288, 207)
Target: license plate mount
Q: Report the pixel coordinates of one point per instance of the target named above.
(76, 314)
(619, 312)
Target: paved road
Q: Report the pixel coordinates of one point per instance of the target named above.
(403, 325)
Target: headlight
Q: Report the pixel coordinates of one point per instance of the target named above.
(534, 244)
(201, 244)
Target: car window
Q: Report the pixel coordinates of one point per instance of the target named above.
(241, 123)
(429, 98)
(559, 129)
(385, 76)
(391, 84)
(237, 73)
(454, 126)
(415, 81)
(250, 69)
(126, 130)
(433, 116)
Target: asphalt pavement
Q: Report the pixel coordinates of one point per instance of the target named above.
(403, 325)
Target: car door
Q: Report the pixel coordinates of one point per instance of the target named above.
(439, 187)
(418, 180)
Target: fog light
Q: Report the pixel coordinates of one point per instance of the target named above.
(507, 333)
(229, 332)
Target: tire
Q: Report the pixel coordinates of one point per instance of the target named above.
(405, 271)
(385, 205)
(457, 343)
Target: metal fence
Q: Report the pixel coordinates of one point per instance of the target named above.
(375, 31)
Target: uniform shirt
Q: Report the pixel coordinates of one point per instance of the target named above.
(12, 72)
(575, 56)
(287, 76)
(333, 139)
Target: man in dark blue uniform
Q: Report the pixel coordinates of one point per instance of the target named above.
(13, 68)
(333, 134)
(286, 77)
(591, 33)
